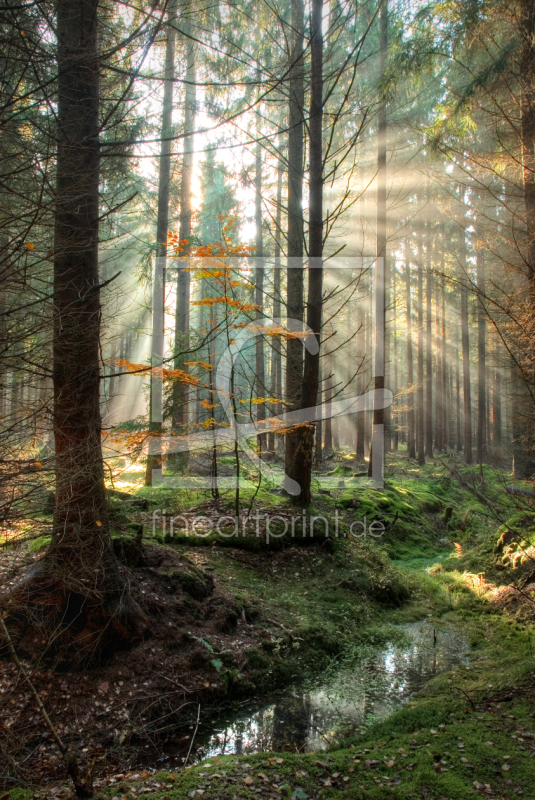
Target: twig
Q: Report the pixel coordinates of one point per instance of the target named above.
(467, 696)
(83, 788)
(520, 490)
(194, 733)
(281, 626)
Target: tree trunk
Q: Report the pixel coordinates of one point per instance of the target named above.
(429, 339)
(411, 432)
(304, 450)
(465, 348)
(276, 357)
(154, 458)
(458, 435)
(481, 362)
(90, 607)
(260, 377)
(420, 411)
(180, 417)
(496, 398)
(439, 396)
(295, 277)
(445, 385)
(527, 107)
(395, 352)
(381, 268)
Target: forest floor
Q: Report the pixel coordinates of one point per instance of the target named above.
(236, 616)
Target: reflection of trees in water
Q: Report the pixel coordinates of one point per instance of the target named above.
(291, 723)
(350, 697)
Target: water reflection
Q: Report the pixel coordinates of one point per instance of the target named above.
(344, 700)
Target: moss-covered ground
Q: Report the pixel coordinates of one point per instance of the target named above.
(452, 540)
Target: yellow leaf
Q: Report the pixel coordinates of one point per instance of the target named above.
(98, 523)
(29, 245)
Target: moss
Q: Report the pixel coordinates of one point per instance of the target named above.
(39, 544)
(17, 794)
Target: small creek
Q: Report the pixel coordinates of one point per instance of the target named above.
(343, 700)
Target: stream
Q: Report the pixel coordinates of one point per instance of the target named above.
(343, 700)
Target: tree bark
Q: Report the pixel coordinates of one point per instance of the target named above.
(411, 427)
(465, 348)
(295, 234)
(420, 411)
(428, 339)
(91, 608)
(260, 378)
(481, 449)
(180, 416)
(276, 355)
(381, 266)
(303, 456)
(527, 107)
(154, 458)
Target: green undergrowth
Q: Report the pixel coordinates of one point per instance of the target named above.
(320, 598)
(469, 733)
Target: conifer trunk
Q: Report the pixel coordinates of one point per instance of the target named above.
(180, 417)
(303, 456)
(465, 348)
(411, 432)
(481, 362)
(154, 458)
(420, 410)
(78, 586)
(295, 234)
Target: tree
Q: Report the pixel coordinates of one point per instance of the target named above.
(154, 458)
(180, 395)
(303, 457)
(79, 570)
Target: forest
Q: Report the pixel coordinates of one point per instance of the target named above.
(267, 399)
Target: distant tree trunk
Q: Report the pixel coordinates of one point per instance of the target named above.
(304, 449)
(411, 427)
(429, 340)
(154, 458)
(381, 266)
(319, 424)
(395, 352)
(521, 413)
(294, 279)
(260, 377)
(527, 109)
(276, 358)
(180, 417)
(481, 362)
(465, 347)
(420, 411)
(496, 399)
(328, 436)
(360, 446)
(446, 406)
(90, 605)
(458, 435)
(439, 381)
